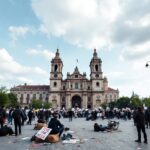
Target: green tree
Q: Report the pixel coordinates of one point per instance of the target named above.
(135, 101)
(3, 99)
(3, 89)
(123, 102)
(36, 103)
(104, 105)
(12, 100)
(112, 104)
(47, 105)
(146, 101)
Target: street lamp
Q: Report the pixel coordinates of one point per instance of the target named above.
(147, 64)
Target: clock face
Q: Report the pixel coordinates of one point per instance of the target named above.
(55, 75)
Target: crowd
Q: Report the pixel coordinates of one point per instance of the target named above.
(20, 116)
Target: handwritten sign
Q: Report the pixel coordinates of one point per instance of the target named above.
(43, 133)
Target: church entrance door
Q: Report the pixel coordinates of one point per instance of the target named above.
(76, 101)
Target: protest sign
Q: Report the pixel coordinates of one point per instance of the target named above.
(43, 133)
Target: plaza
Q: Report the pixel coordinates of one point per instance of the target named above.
(122, 139)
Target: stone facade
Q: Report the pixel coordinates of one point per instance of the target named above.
(74, 91)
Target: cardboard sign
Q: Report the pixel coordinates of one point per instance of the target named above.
(43, 133)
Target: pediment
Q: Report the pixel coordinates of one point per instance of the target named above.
(76, 76)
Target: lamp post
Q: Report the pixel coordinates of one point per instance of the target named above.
(147, 64)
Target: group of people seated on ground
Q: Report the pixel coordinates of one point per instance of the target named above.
(112, 125)
(54, 124)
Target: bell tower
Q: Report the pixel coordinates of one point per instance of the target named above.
(96, 75)
(56, 72)
(95, 67)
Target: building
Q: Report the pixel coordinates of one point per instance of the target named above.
(74, 91)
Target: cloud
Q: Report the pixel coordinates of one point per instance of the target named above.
(44, 53)
(24, 80)
(73, 19)
(12, 71)
(136, 53)
(96, 23)
(16, 32)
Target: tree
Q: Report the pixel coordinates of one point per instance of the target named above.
(112, 104)
(104, 105)
(3, 89)
(36, 103)
(3, 99)
(12, 100)
(123, 102)
(135, 101)
(146, 101)
(47, 105)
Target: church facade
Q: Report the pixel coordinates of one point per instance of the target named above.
(74, 91)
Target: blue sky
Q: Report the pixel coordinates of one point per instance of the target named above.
(32, 30)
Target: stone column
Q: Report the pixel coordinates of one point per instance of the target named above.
(68, 101)
(84, 104)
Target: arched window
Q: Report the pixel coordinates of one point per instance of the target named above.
(76, 86)
(96, 67)
(76, 76)
(97, 84)
(89, 99)
(55, 84)
(63, 99)
(64, 87)
(55, 68)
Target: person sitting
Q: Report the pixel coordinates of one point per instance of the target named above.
(100, 127)
(56, 126)
(5, 130)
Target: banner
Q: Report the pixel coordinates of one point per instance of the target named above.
(43, 133)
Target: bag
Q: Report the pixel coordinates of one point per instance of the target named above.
(52, 138)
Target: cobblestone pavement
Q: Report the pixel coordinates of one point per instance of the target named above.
(123, 139)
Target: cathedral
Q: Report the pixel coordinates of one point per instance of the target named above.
(74, 91)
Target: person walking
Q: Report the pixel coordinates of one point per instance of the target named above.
(17, 115)
(140, 125)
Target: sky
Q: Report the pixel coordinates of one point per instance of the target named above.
(32, 30)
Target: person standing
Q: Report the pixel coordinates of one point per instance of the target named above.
(147, 118)
(30, 116)
(17, 115)
(2, 116)
(140, 124)
(70, 114)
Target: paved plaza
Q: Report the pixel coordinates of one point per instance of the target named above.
(123, 139)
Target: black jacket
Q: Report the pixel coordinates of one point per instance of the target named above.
(55, 125)
(17, 115)
(140, 118)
